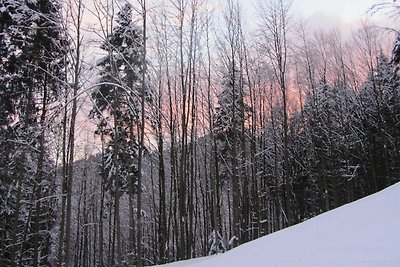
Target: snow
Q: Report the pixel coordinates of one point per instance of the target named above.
(364, 233)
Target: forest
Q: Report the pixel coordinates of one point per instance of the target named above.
(136, 133)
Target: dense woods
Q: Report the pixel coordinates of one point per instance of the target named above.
(201, 134)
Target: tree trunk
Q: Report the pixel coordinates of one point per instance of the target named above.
(141, 139)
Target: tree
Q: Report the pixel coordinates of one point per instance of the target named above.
(215, 243)
(377, 96)
(32, 50)
(229, 116)
(73, 28)
(120, 95)
(396, 51)
(141, 132)
(274, 29)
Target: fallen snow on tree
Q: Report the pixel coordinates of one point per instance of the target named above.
(365, 233)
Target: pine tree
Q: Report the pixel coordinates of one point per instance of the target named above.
(32, 52)
(117, 106)
(378, 97)
(118, 92)
(229, 120)
(230, 114)
(396, 52)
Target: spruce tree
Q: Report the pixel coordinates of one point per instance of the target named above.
(32, 52)
(116, 98)
(229, 120)
(379, 101)
(118, 109)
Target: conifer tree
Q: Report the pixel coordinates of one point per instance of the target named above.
(117, 106)
(378, 97)
(229, 119)
(32, 55)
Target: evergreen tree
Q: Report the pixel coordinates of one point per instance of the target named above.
(117, 106)
(32, 50)
(379, 100)
(230, 115)
(229, 127)
(117, 96)
(328, 120)
(396, 52)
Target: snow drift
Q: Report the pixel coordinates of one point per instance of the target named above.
(364, 233)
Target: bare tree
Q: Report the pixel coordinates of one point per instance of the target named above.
(141, 133)
(274, 29)
(75, 11)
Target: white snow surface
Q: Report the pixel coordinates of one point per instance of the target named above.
(365, 233)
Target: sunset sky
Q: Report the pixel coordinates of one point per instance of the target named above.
(343, 9)
(328, 13)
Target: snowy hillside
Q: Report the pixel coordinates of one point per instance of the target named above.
(364, 233)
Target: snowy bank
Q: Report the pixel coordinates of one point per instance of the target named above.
(365, 233)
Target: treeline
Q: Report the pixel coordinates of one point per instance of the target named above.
(207, 136)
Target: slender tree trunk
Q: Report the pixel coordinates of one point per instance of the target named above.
(117, 223)
(64, 180)
(141, 138)
(182, 246)
(15, 225)
(162, 227)
(100, 261)
(111, 235)
(131, 231)
(71, 141)
(39, 179)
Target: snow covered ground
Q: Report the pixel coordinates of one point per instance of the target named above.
(364, 233)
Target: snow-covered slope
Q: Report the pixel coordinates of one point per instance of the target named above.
(364, 233)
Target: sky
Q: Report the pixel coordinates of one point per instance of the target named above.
(329, 14)
(319, 14)
(343, 9)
